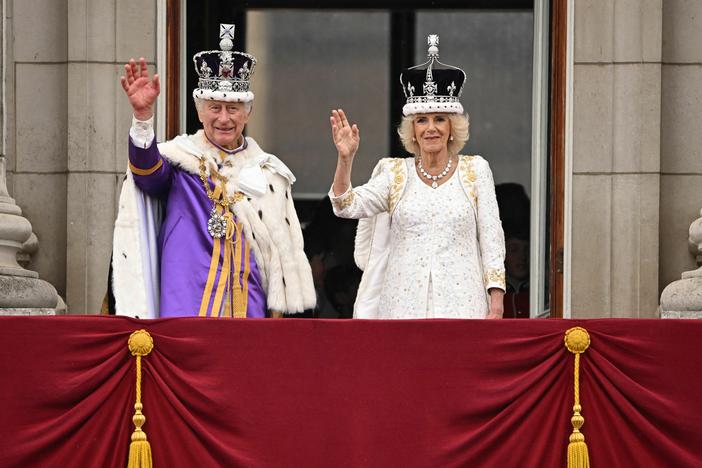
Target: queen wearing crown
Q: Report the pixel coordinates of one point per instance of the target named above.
(206, 224)
(429, 238)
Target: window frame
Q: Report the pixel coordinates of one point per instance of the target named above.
(548, 109)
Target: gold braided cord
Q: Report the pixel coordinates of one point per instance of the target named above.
(576, 379)
(138, 380)
(577, 340)
(140, 344)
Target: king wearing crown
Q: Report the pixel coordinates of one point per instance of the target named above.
(206, 224)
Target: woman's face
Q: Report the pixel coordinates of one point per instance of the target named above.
(432, 132)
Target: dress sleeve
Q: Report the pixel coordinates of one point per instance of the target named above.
(152, 173)
(491, 238)
(367, 200)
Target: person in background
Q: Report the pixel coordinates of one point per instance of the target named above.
(329, 246)
(514, 205)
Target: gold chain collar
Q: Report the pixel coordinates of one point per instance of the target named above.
(224, 200)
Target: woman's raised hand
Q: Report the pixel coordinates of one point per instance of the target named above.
(141, 90)
(346, 137)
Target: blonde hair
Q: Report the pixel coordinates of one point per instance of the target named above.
(459, 132)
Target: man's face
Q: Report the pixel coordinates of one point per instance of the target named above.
(223, 122)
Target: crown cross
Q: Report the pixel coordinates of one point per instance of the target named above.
(226, 30)
(429, 88)
(433, 43)
(226, 35)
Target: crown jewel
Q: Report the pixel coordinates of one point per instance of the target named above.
(224, 74)
(441, 85)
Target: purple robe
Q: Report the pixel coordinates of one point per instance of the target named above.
(185, 246)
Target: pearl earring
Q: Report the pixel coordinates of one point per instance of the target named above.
(451, 138)
(414, 139)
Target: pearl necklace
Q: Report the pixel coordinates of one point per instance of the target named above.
(433, 178)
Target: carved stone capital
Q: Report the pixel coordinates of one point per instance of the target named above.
(683, 298)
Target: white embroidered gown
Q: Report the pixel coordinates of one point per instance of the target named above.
(434, 267)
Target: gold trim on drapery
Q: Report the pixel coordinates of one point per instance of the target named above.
(140, 344)
(577, 340)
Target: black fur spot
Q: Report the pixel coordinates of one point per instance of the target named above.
(248, 198)
(283, 280)
(270, 186)
(224, 95)
(253, 235)
(260, 214)
(124, 255)
(286, 194)
(287, 221)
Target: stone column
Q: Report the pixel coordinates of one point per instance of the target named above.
(21, 290)
(616, 158)
(102, 36)
(683, 298)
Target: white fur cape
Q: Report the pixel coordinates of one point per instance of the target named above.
(268, 215)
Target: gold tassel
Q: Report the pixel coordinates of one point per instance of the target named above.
(140, 344)
(577, 340)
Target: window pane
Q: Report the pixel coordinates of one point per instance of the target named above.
(308, 63)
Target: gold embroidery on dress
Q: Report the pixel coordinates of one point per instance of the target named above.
(346, 201)
(468, 177)
(493, 276)
(397, 169)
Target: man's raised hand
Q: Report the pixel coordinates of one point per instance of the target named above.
(141, 90)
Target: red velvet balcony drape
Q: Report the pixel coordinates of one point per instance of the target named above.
(315, 393)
